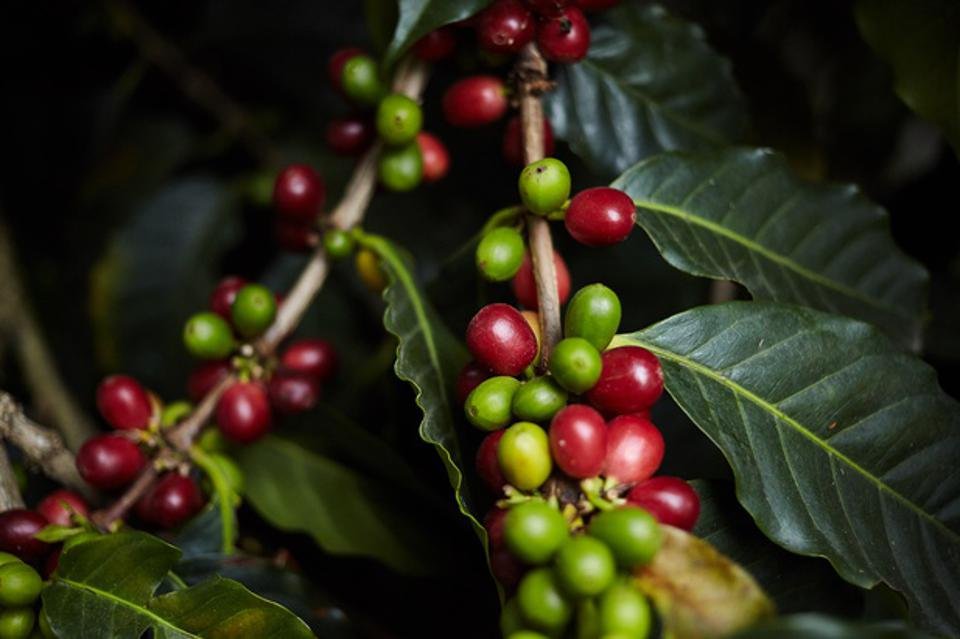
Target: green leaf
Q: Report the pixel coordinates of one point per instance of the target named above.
(104, 588)
(650, 83)
(920, 39)
(812, 626)
(842, 445)
(742, 215)
(419, 17)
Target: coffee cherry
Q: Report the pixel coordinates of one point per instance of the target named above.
(338, 244)
(564, 37)
(401, 169)
(524, 455)
(542, 602)
(349, 136)
(208, 336)
(174, 413)
(361, 81)
(487, 463)
(436, 159)
(493, 523)
(17, 623)
(475, 101)
(60, 506)
(221, 299)
(624, 611)
(20, 585)
(253, 310)
(500, 339)
(398, 119)
(600, 216)
(108, 462)
(205, 376)
(631, 381)
(335, 65)
(594, 315)
(506, 569)
(631, 533)
(436, 45)
(292, 393)
(313, 357)
(585, 566)
(635, 449)
(547, 8)
(500, 254)
(17, 529)
(488, 405)
(6, 558)
(578, 441)
(525, 284)
(174, 499)
(544, 186)
(243, 412)
(506, 26)
(596, 5)
(538, 400)
(534, 531)
(369, 270)
(513, 141)
(298, 193)
(670, 499)
(511, 621)
(295, 236)
(124, 403)
(471, 375)
(575, 364)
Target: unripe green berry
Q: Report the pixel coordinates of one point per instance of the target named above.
(631, 533)
(542, 603)
(544, 186)
(510, 619)
(575, 364)
(593, 314)
(585, 566)
(624, 610)
(538, 400)
(488, 406)
(20, 584)
(534, 531)
(527, 634)
(500, 254)
(7, 558)
(16, 623)
(524, 456)
(253, 309)
(338, 244)
(401, 169)
(361, 80)
(398, 119)
(208, 336)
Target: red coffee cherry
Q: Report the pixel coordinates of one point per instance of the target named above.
(634, 449)
(547, 8)
(298, 193)
(501, 339)
(205, 376)
(525, 285)
(631, 381)
(564, 37)
(108, 462)
(316, 358)
(221, 299)
(578, 441)
(295, 237)
(349, 136)
(335, 65)
(493, 522)
(436, 159)
(506, 26)
(243, 412)
(488, 467)
(61, 505)
(436, 45)
(506, 569)
(671, 500)
(475, 101)
(173, 500)
(124, 403)
(600, 216)
(513, 141)
(292, 393)
(596, 5)
(471, 375)
(17, 528)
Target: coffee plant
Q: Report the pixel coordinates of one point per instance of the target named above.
(395, 360)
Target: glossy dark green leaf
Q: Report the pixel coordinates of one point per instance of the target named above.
(920, 39)
(419, 17)
(650, 83)
(105, 588)
(742, 215)
(842, 445)
(812, 626)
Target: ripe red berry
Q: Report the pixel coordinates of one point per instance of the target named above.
(578, 441)
(634, 449)
(525, 285)
(109, 461)
(298, 193)
(488, 466)
(335, 65)
(505, 567)
(436, 159)
(205, 376)
(475, 101)
(17, 528)
(316, 358)
(295, 237)
(436, 45)
(501, 339)
(547, 8)
(292, 393)
(506, 26)
(631, 381)
(173, 500)
(671, 500)
(564, 37)
(600, 216)
(493, 522)
(243, 412)
(471, 375)
(349, 136)
(221, 299)
(513, 141)
(124, 403)
(61, 505)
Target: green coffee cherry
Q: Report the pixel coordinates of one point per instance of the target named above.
(527, 634)
(500, 254)
(338, 244)
(624, 610)
(174, 412)
(7, 558)
(542, 603)
(398, 119)
(361, 80)
(208, 336)
(510, 619)
(585, 566)
(588, 620)
(253, 309)
(575, 364)
(16, 623)
(211, 440)
(20, 584)
(544, 186)
(401, 169)
(593, 314)
(538, 400)
(631, 533)
(488, 405)
(534, 531)
(524, 456)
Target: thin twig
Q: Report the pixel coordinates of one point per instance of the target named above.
(722, 291)
(10, 496)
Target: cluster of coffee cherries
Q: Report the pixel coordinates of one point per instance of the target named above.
(20, 587)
